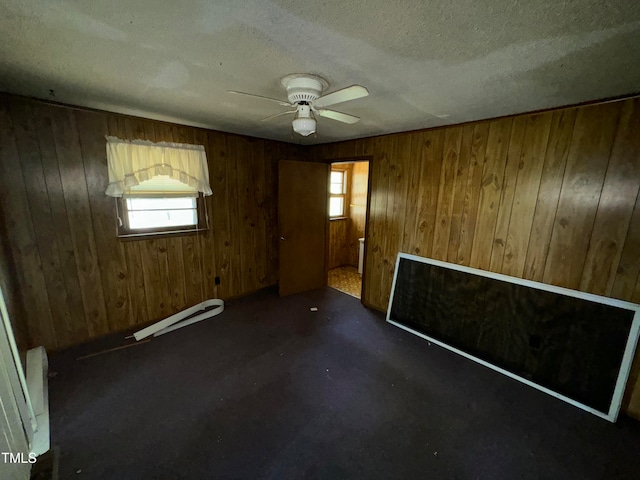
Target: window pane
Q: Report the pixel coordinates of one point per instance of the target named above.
(161, 212)
(336, 206)
(336, 188)
(337, 182)
(161, 218)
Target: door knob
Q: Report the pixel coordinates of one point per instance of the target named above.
(282, 238)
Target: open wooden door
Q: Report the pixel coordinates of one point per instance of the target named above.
(302, 220)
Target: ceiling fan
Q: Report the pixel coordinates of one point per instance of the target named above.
(304, 94)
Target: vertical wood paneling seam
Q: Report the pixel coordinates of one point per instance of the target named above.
(502, 187)
(24, 186)
(90, 227)
(388, 245)
(490, 162)
(57, 239)
(555, 213)
(24, 182)
(442, 195)
(514, 197)
(235, 264)
(459, 193)
(467, 205)
(408, 189)
(91, 213)
(59, 212)
(533, 215)
(622, 249)
(614, 268)
(202, 248)
(604, 178)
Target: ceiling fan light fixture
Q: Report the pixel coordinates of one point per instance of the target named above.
(305, 95)
(304, 126)
(304, 123)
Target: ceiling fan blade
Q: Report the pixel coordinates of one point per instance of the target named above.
(279, 102)
(344, 95)
(278, 115)
(341, 117)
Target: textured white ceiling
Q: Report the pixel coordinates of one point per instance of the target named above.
(425, 63)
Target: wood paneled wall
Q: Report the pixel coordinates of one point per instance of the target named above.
(78, 281)
(357, 210)
(551, 197)
(338, 242)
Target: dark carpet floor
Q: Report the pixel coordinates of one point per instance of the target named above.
(270, 390)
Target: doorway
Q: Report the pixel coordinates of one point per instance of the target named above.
(348, 188)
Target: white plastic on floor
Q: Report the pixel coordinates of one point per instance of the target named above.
(177, 320)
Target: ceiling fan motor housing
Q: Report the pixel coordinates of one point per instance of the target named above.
(303, 89)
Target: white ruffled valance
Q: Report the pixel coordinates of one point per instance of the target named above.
(131, 163)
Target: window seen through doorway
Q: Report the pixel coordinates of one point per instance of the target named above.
(337, 191)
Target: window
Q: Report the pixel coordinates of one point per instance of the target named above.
(337, 190)
(141, 216)
(159, 187)
(160, 205)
